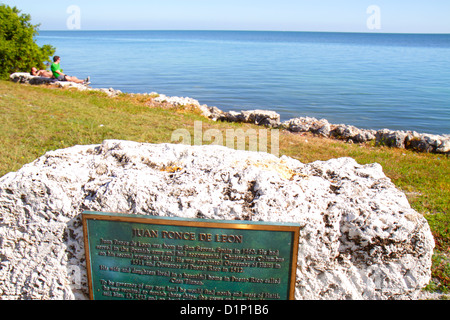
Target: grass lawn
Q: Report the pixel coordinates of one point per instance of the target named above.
(35, 120)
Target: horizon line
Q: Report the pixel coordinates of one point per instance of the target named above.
(243, 30)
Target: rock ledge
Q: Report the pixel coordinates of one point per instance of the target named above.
(359, 237)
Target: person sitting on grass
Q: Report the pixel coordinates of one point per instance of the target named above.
(60, 76)
(40, 73)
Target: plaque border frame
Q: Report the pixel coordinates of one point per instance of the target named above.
(201, 223)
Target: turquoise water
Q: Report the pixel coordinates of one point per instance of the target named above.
(395, 81)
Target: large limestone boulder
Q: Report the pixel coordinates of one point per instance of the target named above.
(359, 237)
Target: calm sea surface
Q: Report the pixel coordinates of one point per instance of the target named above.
(395, 81)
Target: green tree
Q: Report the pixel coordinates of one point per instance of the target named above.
(18, 50)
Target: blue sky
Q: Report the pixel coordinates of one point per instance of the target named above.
(411, 16)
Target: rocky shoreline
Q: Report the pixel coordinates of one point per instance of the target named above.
(412, 140)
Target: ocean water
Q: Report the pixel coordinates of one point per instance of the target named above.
(375, 81)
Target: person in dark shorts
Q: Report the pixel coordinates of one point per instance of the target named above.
(60, 76)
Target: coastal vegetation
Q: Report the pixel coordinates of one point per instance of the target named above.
(18, 49)
(37, 119)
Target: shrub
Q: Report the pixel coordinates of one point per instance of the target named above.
(18, 50)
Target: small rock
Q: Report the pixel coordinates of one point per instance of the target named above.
(300, 124)
(176, 101)
(259, 117)
(444, 147)
(391, 138)
(262, 117)
(321, 127)
(418, 144)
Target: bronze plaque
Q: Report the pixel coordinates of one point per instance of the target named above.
(150, 258)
